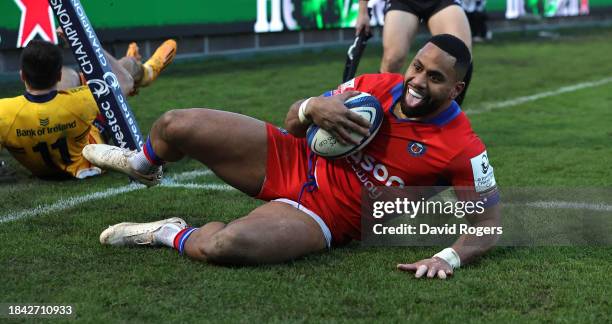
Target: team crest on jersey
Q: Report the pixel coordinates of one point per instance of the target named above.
(44, 122)
(416, 149)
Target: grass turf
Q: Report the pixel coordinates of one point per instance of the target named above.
(556, 141)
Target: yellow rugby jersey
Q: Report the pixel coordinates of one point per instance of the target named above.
(46, 133)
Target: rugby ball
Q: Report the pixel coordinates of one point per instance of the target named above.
(324, 144)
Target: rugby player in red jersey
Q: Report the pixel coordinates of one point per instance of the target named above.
(314, 203)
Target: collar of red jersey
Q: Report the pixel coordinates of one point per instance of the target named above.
(441, 119)
(40, 98)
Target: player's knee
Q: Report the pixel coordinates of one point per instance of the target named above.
(174, 124)
(228, 246)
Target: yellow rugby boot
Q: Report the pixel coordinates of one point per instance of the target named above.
(163, 56)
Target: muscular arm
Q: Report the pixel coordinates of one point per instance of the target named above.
(363, 18)
(292, 122)
(330, 114)
(470, 247)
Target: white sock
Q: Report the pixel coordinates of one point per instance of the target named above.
(166, 234)
(140, 163)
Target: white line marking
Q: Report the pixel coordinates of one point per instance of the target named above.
(64, 204)
(208, 186)
(569, 205)
(520, 100)
(190, 175)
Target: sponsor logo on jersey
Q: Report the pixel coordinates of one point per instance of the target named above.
(416, 149)
(61, 127)
(30, 132)
(372, 173)
(484, 180)
(44, 122)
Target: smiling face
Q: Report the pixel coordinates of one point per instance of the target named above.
(431, 82)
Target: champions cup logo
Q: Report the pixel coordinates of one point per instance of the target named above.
(102, 87)
(485, 164)
(482, 170)
(111, 80)
(98, 87)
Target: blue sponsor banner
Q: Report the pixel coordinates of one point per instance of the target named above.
(96, 68)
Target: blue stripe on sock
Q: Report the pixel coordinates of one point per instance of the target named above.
(151, 153)
(184, 238)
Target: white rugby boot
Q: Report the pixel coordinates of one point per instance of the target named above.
(131, 234)
(118, 159)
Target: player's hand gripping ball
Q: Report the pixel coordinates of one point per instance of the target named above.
(324, 144)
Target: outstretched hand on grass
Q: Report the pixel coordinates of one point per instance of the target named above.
(433, 267)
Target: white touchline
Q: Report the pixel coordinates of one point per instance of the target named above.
(519, 100)
(190, 175)
(569, 205)
(208, 186)
(64, 204)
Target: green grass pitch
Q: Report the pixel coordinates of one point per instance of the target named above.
(53, 255)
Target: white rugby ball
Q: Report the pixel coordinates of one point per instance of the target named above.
(324, 144)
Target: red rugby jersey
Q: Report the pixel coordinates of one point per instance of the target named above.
(442, 151)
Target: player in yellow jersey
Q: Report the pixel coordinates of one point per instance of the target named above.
(47, 127)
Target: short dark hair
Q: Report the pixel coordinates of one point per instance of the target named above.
(41, 64)
(456, 48)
